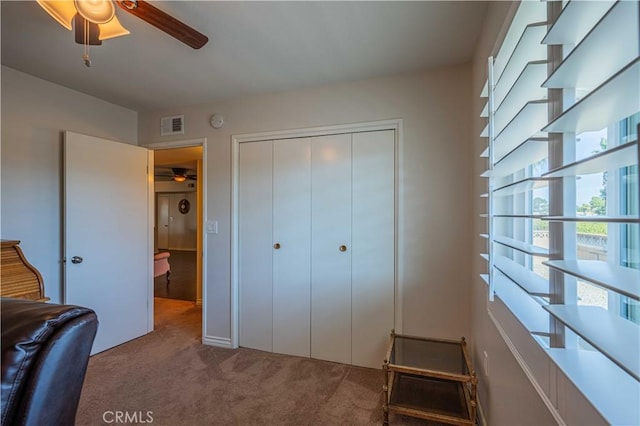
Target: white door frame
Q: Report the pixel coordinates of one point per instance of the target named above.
(236, 140)
(203, 229)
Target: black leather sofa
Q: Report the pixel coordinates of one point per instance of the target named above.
(45, 351)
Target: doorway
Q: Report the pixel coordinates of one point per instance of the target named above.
(176, 218)
(179, 188)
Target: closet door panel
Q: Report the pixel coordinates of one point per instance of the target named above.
(331, 267)
(292, 260)
(373, 241)
(255, 246)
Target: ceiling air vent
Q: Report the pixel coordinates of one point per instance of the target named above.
(173, 125)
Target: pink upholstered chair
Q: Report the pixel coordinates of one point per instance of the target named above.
(161, 265)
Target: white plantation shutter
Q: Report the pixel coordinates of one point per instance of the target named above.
(566, 79)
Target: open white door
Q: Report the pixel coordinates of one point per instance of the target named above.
(106, 235)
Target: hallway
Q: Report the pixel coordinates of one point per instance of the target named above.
(182, 284)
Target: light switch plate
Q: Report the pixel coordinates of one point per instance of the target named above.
(212, 227)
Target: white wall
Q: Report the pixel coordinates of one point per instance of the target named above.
(182, 227)
(34, 114)
(173, 186)
(435, 188)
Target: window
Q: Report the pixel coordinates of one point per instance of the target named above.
(563, 215)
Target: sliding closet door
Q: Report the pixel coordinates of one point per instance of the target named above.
(255, 245)
(331, 248)
(317, 246)
(292, 246)
(373, 241)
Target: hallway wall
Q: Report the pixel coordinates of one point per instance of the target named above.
(182, 228)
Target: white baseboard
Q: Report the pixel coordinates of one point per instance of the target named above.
(221, 342)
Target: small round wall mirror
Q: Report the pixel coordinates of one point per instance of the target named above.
(184, 206)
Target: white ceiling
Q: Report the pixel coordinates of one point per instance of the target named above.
(254, 47)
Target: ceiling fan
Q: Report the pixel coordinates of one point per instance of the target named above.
(178, 174)
(96, 20)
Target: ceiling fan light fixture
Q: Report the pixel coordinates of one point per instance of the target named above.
(96, 11)
(112, 29)
(179, 178)
(62, 11)
(99, 21)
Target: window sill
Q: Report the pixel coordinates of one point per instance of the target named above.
(614, 393)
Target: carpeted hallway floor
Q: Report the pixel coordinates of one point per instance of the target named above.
(169, 377)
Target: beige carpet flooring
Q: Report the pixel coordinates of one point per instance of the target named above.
(170, 374)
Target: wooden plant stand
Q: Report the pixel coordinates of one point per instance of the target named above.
(430, 379)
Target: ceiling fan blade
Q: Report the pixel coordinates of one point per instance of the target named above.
(164, 22)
